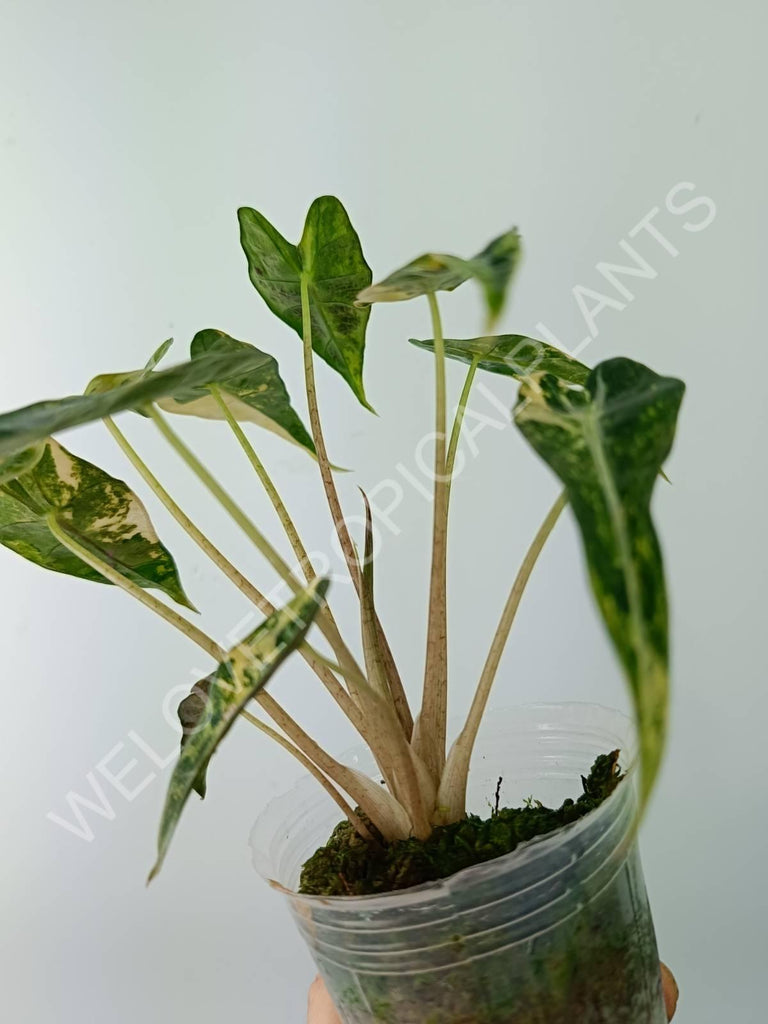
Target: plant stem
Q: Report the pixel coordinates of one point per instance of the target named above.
(453, 444)
(168, 614)
(358, 824)
(431, 728)
(197, 535)
(277, 502)
(389, 817)
(337, 514)
(326, 625)
(330, 682)
(224, 499)
(326, 473)
(327, 621)
(148, 600)
(452, 793)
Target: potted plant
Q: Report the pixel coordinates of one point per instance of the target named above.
(416, 909)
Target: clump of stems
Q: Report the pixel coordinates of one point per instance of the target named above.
(424, 785)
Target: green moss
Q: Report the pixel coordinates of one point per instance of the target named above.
(349, 866)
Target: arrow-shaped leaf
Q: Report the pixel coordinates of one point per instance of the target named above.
(607, 441)
(256, 396)
(24, 427)
(330, 259)
(95, 509)
(513, 355)
(245, 671)
(437, 272)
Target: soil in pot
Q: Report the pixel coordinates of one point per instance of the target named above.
(350, 866)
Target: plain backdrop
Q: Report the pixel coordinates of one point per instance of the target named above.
(129, 135)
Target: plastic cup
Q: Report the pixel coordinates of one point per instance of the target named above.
(557, 932)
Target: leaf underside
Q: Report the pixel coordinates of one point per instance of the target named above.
(607, 441)
(330, 258)
(97, 510)
(512, 355)
(32, 424)
(245, 671)
(256, 396)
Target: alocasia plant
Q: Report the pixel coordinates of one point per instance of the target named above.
(605, 432)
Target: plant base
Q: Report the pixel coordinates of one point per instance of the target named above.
(351, 866)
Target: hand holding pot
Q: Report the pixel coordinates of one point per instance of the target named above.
(321, 1009)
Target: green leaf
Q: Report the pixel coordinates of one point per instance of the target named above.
(330, 259)
(25, 427)
(513, 355)
(95, 509)
(245, 671)
(494, 268)
(607, 441)
(438, 272)
(258, 396)
(20, 462)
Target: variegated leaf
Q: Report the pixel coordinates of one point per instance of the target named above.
(247, 668)
(607, 441)
(108, 395)
(258, 396)
(513, 355)
(97, 510)
(330, 260)
(434, 272)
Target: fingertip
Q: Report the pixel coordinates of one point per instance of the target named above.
(671, 991)
(321, 1009)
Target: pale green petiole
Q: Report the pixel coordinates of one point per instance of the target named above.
(458, 421)
(452, 793)
(266, 481)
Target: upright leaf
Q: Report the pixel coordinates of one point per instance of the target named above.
(258, 396)
(247, 668)
(330, 259)
(95, 509)
(513, 355)
(110, 381)
(493, 268)
(107, 396)
(607, 441)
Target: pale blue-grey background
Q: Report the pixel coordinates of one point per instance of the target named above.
(129, 134)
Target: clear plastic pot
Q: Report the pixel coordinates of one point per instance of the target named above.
(557, 932)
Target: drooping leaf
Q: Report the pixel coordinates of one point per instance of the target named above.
(24, 427)
(97, 510)
(513, 355)
(607, 441)
(439, 272)
(330, 259)
(247, 669)
(494, 268)
(258, 396)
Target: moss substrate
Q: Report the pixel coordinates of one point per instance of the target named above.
(351, 866)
